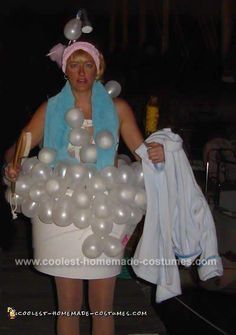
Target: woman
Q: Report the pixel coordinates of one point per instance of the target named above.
(83, 65)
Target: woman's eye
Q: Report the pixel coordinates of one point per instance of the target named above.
(73, 65)
(89, 65)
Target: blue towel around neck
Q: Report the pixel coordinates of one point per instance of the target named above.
(104, 117)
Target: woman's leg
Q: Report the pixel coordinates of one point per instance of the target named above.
(101, 293)
(70, 298)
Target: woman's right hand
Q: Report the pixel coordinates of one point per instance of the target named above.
(11, 172)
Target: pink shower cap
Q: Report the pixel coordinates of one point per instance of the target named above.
(87, 47)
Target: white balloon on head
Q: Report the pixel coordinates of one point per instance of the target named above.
(41, 171)
(140, 199)
(79, 136)
(29, 207)
(37, 191)
(81, 198)
(88, 153)
(55, 186)
(113, 88)
(47, 155)
(74, 117)
(72, 29)
(92, 246)
(101, 206)
(104, 139)
(109, 175)
(126, 174)
(45, 211)
(80, 217)
(101, 227)
(112, 246)
(23, 185)
(62, 211)
(28, 164)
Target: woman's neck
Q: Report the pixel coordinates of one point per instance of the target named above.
(83, 101)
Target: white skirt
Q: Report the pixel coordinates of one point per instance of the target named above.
(58, 252)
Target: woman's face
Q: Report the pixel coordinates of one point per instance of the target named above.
(81, 71)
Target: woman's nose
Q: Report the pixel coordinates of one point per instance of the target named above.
(81, 70)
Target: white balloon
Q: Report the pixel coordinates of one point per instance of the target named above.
(110, 176)
(37, 191)
(139, 176)
(28, 164)
(88, 153)
(113, 88)
(61, 168)
(140, 199)
(136, 215)
(104, 139)
(125, 158)
(96, 184)
(55, 186)
(80, 217)
(112, 246)
(79, 136)
(41, 171)
(62, 211)
(72, 29)
(101, 206)
(76, 173)
(23, 185)
(126, 174)
(126, 193)
(29, 208)
(45, 211)
(120, 213)
(81, 198)
(47, 155)
(92, 246)
(74, 117)
(101, 227)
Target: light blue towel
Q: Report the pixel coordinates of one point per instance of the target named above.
(104, 116)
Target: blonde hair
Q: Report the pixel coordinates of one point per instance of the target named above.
(78, 54)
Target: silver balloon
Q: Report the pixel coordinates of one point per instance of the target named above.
(23, 185)
(104, 139)
(113, 88)
(110, 176)
(45, 211)
(62, 211)
(126, 193)
(101, 206)
(140, 199)
(55, 186)
(139, 175)
(41, 171)
(72, 29)
(47, 155)
(125, 158)
(96, 184)
(61, 168)
(136, 215)
(37, 191)
(79, 136)
(74, 117)
(92, 246)
(112, 246)
(28, 164)
(101, 227)
(29, 208)
(120, 213)
(126, 174)
(81, 198)
(76, 173)
(81, 217)
(88, 153)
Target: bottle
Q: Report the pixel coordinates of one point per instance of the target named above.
(152, 115)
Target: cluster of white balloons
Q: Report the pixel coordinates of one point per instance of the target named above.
(72, 193)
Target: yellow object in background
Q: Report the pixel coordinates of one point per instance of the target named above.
(152, 115)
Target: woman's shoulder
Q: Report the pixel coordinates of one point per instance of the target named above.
(122, 106)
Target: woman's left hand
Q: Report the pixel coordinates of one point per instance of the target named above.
(155, 152)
